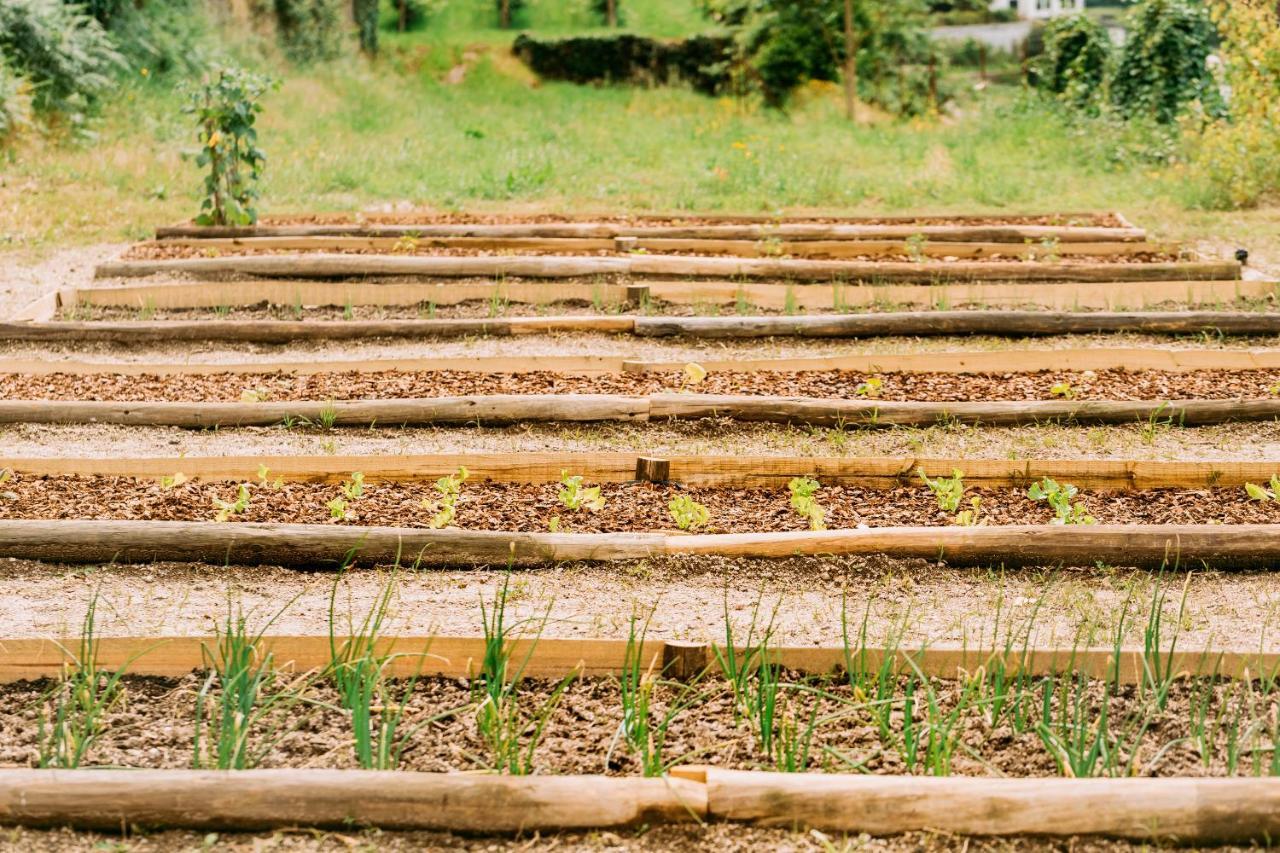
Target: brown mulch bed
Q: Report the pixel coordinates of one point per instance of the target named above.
(153, 722)
(628, 507)
(831, 384)
(1096, 220)
(154, 252)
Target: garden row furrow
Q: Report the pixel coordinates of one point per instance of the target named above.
(336, 265)
(574, 504)
(479, 377)
(883, 324)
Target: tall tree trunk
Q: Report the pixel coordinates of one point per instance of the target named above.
(404, 14)
(611, 13)
(504, 14)
(850, 64)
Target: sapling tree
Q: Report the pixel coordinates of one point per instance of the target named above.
(226, 107)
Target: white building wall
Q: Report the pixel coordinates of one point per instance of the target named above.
(1040, 9)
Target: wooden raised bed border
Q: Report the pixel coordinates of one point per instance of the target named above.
(321, 265)
(775, 246)
(930, 323)
(606, 231)
(881, 472)
(953, 362)
(552, 657)
(500, 409)
(839, 298)
(329, 546)
(1183, 810)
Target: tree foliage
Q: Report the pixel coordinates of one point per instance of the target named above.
(781, 44)
(1162, 68)
(1237, 156)
(366, 13)
(309, 30)
(1074, 65)
(64, 54)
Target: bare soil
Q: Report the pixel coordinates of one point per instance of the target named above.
(710, 838)
(482, 309)
(428, 248)
(153, 724)
(433, 217)
(1237, 441)
(836, 384)
(628, 506)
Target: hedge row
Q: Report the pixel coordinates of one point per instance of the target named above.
(700, 61)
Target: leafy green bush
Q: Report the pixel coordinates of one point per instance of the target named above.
(1075, 61)
(365, 13)
(781, 44)
(15, 104)
(1162, 67)
(225, 107)
(309, 30)
(1236, 158)
(65, 55)
(161, 35)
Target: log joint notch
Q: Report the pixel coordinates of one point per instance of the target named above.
(651, 469)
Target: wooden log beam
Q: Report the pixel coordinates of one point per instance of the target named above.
(243, 543)
(926, 273)
(322, 265)
(311, 545)
(1138, 546)
(555, 408)
(480, 410)
(27, 658)
(772, 246)
(283, 331)
(878, 472)
(1186, 811)
(935, 323)
(1013, 234)
(255, 800)
(862, 413)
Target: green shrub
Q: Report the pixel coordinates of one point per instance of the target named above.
(1236, 158)
(161, 35)
(225, 107)
(65, 55)
(781, 44)
(365, 13)
(1162, 67)
(1077, 53)
(309, 30)
(15, 104)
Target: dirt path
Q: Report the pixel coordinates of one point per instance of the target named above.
(20, 284)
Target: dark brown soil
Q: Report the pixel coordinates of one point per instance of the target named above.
(628, 507)
(484, 309)
(1097, 220)
(426, 248)
(152, 724)
(710, 838)
(836, 384)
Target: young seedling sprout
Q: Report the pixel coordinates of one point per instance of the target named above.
(446, 507)
(1256, 492)
(871, 388)
(226, 509)
(949, 492)
(804, 501)
(350, 490)
(687, 513)
(1060, 498)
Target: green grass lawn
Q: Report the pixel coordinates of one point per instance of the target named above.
(348, 135)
